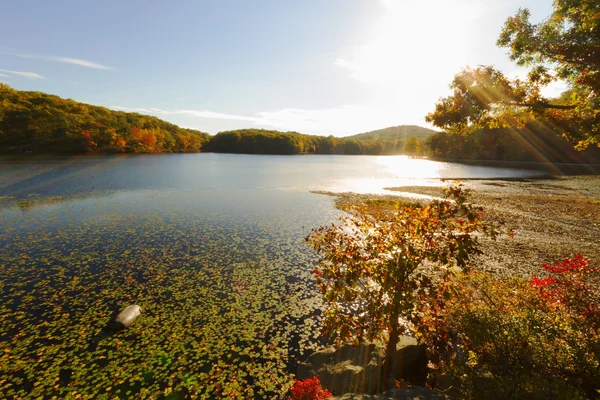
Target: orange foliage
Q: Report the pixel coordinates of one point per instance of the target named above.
(88, 141)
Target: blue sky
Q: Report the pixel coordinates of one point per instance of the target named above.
(315, 66)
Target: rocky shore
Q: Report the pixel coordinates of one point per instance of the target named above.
(552, 218)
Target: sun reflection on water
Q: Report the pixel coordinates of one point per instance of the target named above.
(416, 168)
(394, 172)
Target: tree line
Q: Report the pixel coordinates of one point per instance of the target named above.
(39, 122)
(537, 141)
(261, 141)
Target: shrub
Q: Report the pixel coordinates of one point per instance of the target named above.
(512, 337)
(309, 389)
(569, 286)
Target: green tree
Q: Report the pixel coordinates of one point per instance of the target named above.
(412, 146)
(564, 46)
(370, 269)
(352, 147)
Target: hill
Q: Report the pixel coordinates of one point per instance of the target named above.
(402, 139)
(39, 122)
(401, 132)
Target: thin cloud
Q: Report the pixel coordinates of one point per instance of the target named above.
(24, 74)
(337, 121)
(80, 62)
(67, 60)
(216, 115)
(192, 113)
(340, 62)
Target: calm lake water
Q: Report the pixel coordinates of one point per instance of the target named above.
(78, 175)
(209, 245)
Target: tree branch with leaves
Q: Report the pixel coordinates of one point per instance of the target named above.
(566, 47)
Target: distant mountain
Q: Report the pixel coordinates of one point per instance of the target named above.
(399, 133)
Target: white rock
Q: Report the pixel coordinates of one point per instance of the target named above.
(128, 315)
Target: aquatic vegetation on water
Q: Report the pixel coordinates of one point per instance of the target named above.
(229, 302)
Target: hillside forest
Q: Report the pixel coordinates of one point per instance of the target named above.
(38, 122)
(35, 122)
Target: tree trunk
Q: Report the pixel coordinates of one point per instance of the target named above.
(389, 366)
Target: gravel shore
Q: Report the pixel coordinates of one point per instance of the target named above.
(552, 219)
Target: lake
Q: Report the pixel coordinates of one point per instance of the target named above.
(209, 245)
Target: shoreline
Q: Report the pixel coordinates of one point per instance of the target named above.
(550, 167)
(552, 218)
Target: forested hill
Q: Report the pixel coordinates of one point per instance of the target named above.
(399, 133)
(39, 122)
(402, 139)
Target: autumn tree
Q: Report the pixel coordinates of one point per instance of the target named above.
(565, 46)
(371, 266)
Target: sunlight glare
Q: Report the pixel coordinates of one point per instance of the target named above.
(394, 171)
(406, 167)
(415, 47)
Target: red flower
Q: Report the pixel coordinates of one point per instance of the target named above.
(309, 389)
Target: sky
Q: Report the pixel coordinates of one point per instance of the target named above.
(325, 67)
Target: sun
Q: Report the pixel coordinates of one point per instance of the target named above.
(415, 45)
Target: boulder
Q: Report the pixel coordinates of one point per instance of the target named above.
(449, 385)
(128, 316)
(411, 361)
(346, 369)
(359, 369)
